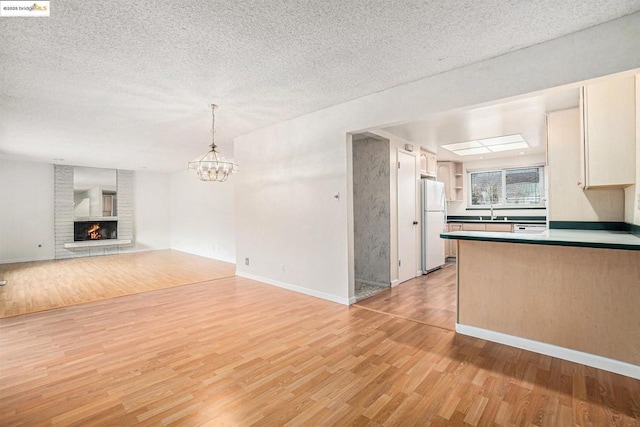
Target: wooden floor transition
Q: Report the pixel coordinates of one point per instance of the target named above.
(44, 285)
(429, 299)
(237, 352)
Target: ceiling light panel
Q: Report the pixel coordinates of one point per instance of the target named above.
(472, 151)
(462, 145)
(507, 139)
(487, 145)
(507, 147)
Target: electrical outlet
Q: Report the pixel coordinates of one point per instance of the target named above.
(246, 261)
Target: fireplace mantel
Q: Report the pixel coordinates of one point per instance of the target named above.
(96, 243)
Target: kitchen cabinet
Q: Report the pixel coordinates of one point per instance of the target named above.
(474, 226)
(450, 173)
(608, 133)
(428, 164)
(450, 245)
(495, 227)
(488, 226)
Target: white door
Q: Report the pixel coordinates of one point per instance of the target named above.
(407, 221)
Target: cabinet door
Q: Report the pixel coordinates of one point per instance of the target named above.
(609, 133)
(452, 245)
(423, 163)
(499, 227)
(432, 164)
(471, 226)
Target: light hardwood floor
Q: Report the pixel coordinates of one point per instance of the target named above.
(43, 285)
(237, 352)
(429, 299)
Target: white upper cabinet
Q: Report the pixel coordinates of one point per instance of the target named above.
(608, 125)
(428, 164)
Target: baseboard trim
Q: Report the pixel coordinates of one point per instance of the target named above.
(204, 255)
(17, 260)
(395, 283)
(595, 361)
(296, 288)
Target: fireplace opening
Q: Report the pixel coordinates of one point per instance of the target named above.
(94, 230)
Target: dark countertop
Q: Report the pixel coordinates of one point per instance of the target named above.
(556, 237)
(514, 219)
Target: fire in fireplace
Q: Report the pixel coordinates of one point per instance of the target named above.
(95, 230)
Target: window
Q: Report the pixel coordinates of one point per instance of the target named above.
(522, 187)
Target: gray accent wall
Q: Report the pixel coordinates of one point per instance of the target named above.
(371, 211)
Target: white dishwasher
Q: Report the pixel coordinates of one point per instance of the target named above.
(529, 228)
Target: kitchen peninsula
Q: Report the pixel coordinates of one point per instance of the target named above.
(569, 293)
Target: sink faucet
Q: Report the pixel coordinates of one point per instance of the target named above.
(492, 217)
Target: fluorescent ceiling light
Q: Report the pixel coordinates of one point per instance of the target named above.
(488, 145)
(471, 151)
(499, 140)
(507, 147)
(463, 145)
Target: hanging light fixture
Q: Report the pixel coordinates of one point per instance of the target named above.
(213, 166)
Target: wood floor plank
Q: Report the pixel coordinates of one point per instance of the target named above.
(430, 299)
(238, 352)
(45, 285)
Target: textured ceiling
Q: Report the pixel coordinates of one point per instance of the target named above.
(126, 84)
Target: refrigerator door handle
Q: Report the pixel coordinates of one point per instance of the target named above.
(444, 212)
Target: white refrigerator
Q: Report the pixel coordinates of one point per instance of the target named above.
(434, 219)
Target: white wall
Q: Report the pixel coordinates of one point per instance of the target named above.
(632, 193)
(567, 200)
(202, 216)
(288, 222)
(460, 208)
(26, 211)
(151, 211)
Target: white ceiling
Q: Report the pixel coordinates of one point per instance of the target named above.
(127, 84)
(525, 116)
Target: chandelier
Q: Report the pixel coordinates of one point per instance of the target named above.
(213, 166)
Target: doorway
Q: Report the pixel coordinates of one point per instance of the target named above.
(371, 215)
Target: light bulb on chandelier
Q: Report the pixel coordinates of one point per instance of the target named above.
(213, 166)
